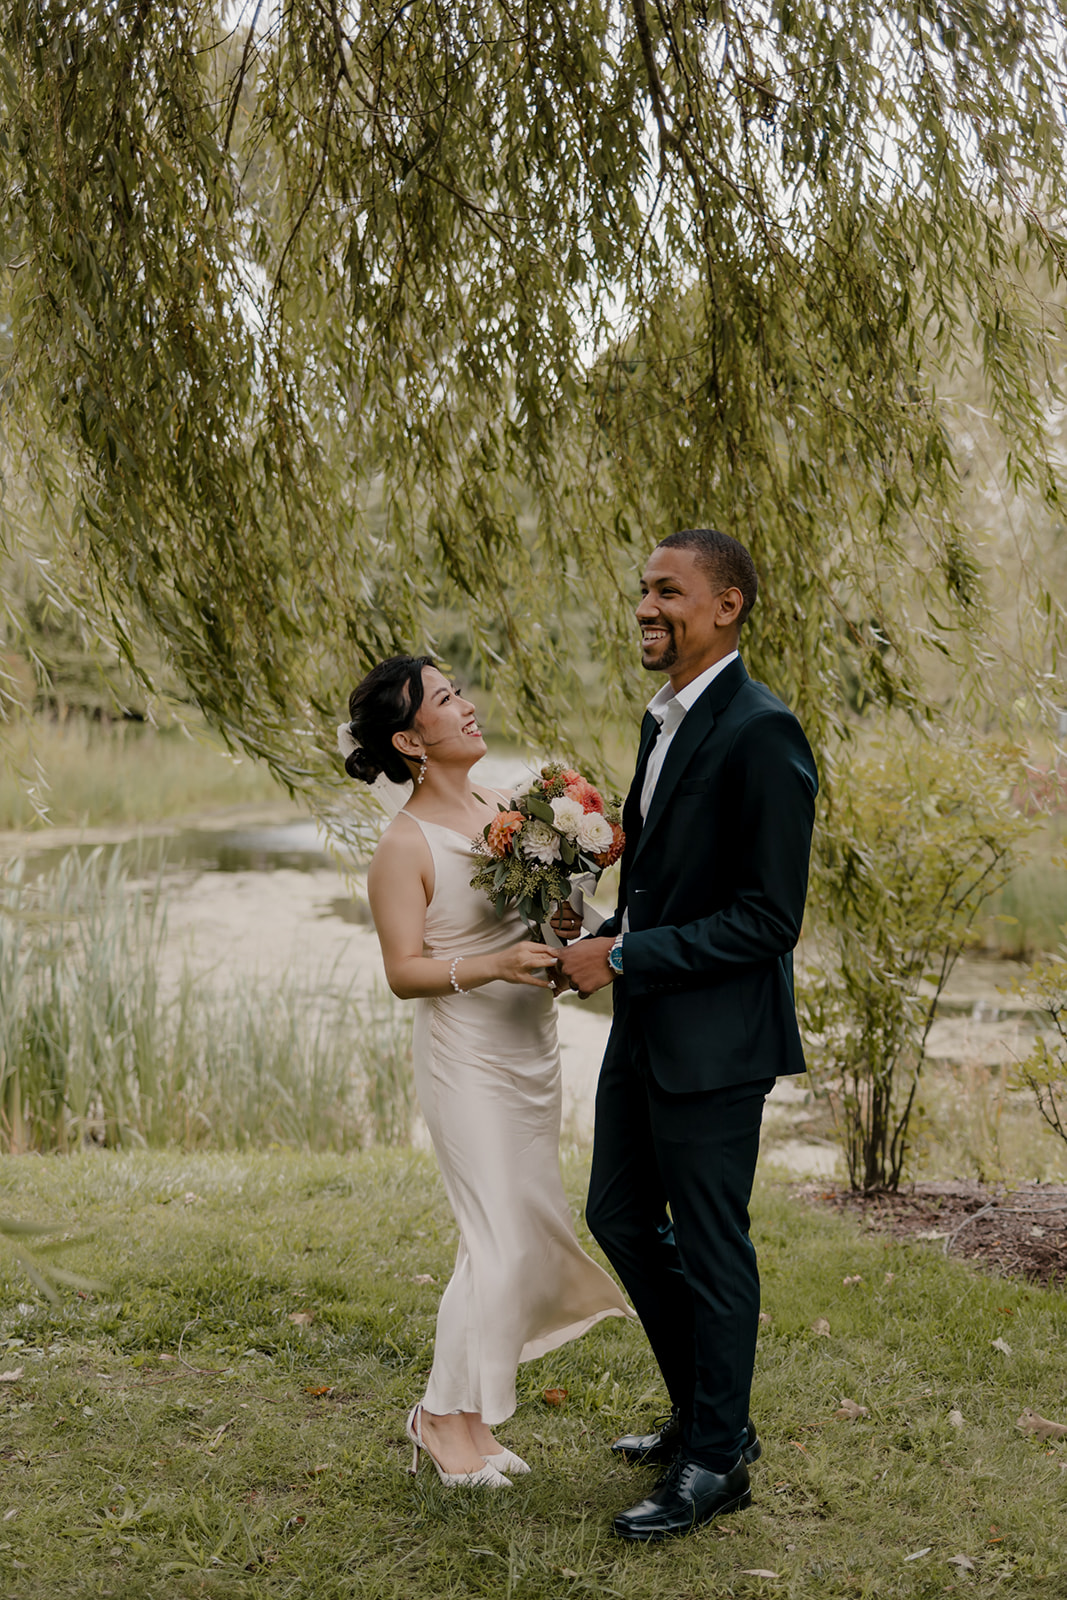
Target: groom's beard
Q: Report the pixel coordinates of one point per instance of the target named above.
(668, 658)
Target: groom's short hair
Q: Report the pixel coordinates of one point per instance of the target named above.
(723, 557)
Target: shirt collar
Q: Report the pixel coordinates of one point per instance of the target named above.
(687, 697)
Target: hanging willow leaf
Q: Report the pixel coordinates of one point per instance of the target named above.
(42, 1273)
(346, 331)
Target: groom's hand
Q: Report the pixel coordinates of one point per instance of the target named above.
(586, 965)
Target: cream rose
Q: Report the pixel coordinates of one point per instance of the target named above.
(569, 815)
(540, 842)
(594, 833)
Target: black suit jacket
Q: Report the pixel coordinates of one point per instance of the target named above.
(715, 882)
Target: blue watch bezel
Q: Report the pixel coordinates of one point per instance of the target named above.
(615, 957)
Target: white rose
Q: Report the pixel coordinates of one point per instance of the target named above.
(568, 814)
(539, 842)
(594, 833)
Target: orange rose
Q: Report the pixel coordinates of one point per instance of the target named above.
(503, 828)
(580, 789)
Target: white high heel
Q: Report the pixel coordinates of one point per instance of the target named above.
(486, 1477)
(508, 1461)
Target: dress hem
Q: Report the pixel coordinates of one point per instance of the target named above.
(493, 1417)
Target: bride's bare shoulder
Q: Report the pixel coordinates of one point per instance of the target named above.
(399, 839)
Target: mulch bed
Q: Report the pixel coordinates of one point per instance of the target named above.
(1017, 1232)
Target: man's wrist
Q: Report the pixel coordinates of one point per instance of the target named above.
(615, 956)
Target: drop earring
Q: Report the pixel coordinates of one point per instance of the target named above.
(424, 762)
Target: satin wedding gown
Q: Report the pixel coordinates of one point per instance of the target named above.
(488, 1079)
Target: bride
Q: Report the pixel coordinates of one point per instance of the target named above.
(486, 1070)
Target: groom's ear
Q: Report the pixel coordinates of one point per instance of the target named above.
(730, 604)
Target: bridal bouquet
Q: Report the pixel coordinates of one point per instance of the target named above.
(557, 829)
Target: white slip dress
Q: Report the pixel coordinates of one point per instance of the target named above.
(487, 1073)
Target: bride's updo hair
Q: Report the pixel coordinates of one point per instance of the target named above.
(386, 702)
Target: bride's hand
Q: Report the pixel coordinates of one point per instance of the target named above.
(526, 963)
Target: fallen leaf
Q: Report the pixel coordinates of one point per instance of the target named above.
(11, 1377)
(12, 1513)
(765, 1316)
(759, 1572)
(1031, 1422)
(424, 1277)
(889, 1277)
(1003, 1346)
(821, 1327)
(955, 1419)
(932, 1233)
(568, 1572)
(315, 1471)
(802, 1448)
(849, 1411)
(190, 1198)
(963, 1562)
(302, 1319)
(554, 1397)
(317, 1393)
(856, 1278)
(164, 1357)
(916, 1555)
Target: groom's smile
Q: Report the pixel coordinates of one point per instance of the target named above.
(687, 622)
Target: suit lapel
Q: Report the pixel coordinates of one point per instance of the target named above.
(696, 725)
(632, 807)
(631, 811)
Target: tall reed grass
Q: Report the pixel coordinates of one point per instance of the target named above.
(96, 1049)
(122, 772)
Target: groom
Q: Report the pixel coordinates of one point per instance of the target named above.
(718, 831)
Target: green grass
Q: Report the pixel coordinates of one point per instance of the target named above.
(123, 772)
(180, 1436)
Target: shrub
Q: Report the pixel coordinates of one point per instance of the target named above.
(914, 839)
(1044, 1072)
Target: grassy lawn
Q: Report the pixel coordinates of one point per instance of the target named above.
(180, 1435)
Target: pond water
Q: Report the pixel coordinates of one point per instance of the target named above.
(300, 845)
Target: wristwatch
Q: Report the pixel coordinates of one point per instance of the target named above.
(615, 956)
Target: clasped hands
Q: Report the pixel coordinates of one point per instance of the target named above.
(582, 966)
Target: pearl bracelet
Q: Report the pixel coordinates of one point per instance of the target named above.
(452, 976)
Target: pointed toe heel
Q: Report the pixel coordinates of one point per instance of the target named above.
(508, 1461)
(486, 1477)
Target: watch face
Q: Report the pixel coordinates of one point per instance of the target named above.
(615, 961)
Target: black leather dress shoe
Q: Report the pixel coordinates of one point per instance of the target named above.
(660, 1448)
(686, 1497)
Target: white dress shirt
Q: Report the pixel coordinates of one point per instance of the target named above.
(669, 710)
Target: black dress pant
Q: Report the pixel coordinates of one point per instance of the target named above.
(692, 1274)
